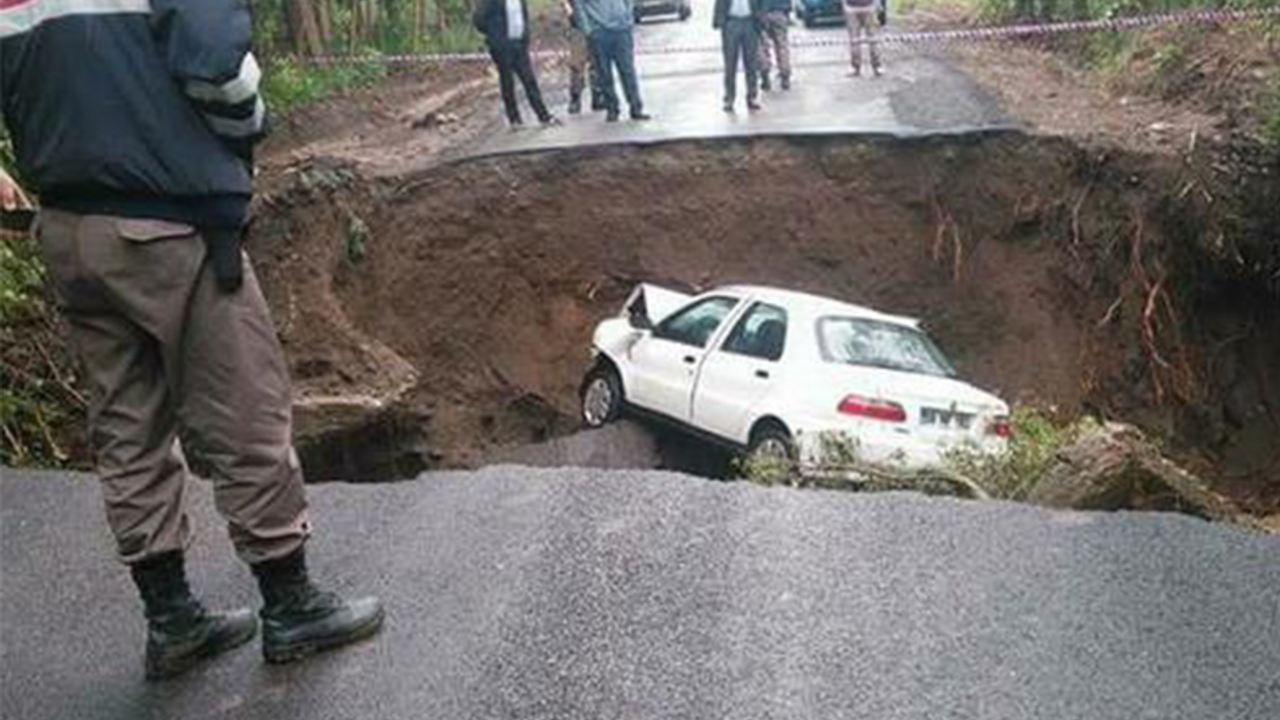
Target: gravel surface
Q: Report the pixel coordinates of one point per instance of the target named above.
(592, 594)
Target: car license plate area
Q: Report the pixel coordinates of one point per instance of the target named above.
(946, 419)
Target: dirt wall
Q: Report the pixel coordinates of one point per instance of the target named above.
(1051, 273)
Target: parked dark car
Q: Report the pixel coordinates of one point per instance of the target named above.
(648, 8)
(815, 12)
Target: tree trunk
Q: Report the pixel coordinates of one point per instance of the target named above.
(442, 16)
(305, 27)
(419, 23)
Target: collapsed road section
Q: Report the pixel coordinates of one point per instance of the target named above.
(438, 316)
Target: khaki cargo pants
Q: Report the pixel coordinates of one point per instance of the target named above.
(861, 23)
(165, 352)
(774, 27)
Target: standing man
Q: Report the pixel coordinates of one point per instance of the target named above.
(738, 22)
(141, 160)
(505, 26)
(580, 64)
(774, 24)
(609, 25)
(860, 17)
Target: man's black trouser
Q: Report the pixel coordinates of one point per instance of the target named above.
(741, 39)
(512, 59)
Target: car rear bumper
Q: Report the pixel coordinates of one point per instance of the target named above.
(820, 447)
(822, 9)
(659, 8)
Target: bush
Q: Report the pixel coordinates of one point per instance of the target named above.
(38, 400)
(1271, 115)
(290, 84)
(1037, 437)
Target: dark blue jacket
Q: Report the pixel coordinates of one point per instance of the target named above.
(141, 108)
(490, 19)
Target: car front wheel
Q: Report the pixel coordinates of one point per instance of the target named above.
(601, 397)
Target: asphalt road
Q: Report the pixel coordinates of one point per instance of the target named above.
(921, 93)
(586, 594)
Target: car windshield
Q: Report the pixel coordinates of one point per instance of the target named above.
(859, 341)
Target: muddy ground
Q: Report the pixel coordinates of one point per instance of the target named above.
(462, 296)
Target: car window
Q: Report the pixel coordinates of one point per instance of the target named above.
(697, 323)
(859, 341)
(761, 333)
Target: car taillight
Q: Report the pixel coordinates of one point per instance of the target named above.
(872, 409)
(1001, 427)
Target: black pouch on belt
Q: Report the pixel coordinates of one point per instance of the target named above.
(224, 252)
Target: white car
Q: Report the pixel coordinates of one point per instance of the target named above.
(775, 372)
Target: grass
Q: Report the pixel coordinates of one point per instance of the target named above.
(1013, 475)
(290, 84)
(1037, 438)
(1271, 115)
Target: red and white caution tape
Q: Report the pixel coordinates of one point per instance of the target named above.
(1005, 32)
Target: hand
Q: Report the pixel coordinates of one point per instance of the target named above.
(8, 193)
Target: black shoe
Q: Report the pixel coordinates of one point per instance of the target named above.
(180, 632)
(728, 106)
(575, 106)
(611, 116)
(786, 82)
(764, 82)
(753, 104)
(299, 619)
(640, 115)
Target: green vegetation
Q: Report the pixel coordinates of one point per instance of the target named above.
(1271, 115)
(290, 84)
(1037, 437)
(38, 400)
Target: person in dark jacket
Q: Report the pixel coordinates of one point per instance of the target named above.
(141, 159)
(739, 24)
(505, 26)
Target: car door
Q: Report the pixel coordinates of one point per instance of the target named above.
(664, 365)
(738, 374)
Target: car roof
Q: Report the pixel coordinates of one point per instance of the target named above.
(814, 304)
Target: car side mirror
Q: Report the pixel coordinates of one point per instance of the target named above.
(639, 320)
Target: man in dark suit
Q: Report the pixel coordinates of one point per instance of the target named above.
(739, 24)
(505, 26)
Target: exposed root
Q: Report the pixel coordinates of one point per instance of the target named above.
(946, 222)
(1176, 377)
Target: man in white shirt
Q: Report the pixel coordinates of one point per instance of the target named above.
(738, 22)
(505, 26)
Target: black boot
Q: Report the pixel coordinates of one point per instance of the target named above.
(180, 632)
(575, 103)
(299, 619)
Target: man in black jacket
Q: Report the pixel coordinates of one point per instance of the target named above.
(134, 120)
(739, 24)
(505, 26)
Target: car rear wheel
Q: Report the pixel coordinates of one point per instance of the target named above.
(772, 443)
(601, 397)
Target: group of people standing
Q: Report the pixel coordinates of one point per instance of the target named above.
(754, 37)
(603, 43)
(754, 34)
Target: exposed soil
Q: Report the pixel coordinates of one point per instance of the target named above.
(1088, 279)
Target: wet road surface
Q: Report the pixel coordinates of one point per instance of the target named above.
(921, 93)
(587, 594)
